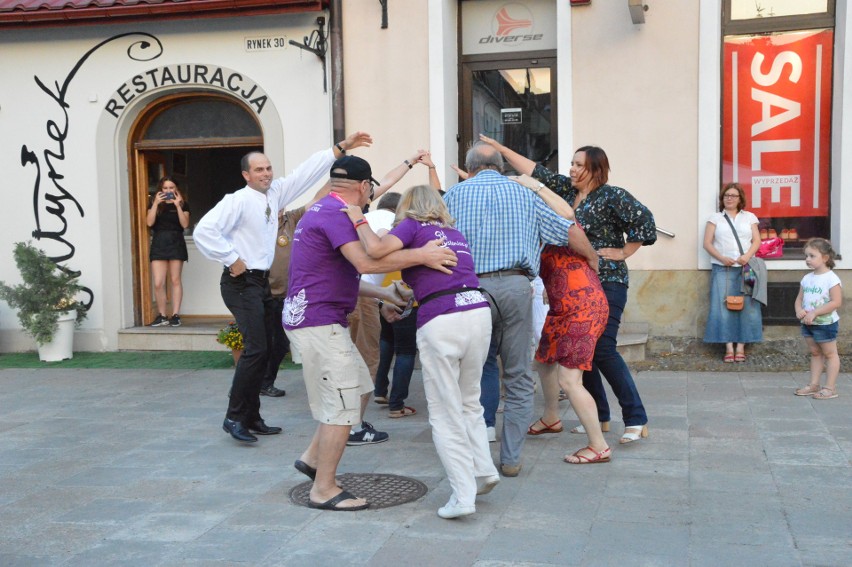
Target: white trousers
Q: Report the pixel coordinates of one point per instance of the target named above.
(453, 348)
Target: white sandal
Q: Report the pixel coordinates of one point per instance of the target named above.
(634, 433)
(581, 429)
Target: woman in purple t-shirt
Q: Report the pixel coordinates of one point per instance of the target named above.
(452, 360)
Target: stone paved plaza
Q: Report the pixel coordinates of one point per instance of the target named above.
(131, 467)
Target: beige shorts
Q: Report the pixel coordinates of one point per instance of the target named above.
(334, 372)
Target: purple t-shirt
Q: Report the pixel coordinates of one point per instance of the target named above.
(426, 281)
(323, 284)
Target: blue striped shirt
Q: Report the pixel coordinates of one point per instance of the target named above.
(504, 222)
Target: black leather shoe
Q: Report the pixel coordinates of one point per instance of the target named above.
(261, 428)
(272, 392)
(237, 431)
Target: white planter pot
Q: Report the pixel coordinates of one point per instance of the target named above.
(62, 345)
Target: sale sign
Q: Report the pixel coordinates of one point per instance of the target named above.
(777, 121)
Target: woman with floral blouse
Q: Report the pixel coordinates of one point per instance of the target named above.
(607, 214)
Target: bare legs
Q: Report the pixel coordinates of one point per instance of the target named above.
(326, 450)
(160, 269)
(571, 382)
(175, 269)
(824, 355)
(550, 391)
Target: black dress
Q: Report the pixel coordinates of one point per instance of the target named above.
(167, 242)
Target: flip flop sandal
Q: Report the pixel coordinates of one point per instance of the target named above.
(581, 429)
(808, 390)
(404, 412)
(740, 357)
(602, 457)
(634, 433)
(305, 469)
(555, 427)
(729, 358)
(332, 504)
(828, 395)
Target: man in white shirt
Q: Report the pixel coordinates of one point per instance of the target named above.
(240, 233)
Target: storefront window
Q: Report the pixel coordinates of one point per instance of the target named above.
(749, 9)
(776, 120)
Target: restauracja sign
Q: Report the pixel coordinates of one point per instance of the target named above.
(186, 74)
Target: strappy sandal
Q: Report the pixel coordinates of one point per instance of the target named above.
(825, 393)
(602, 457)
(581, 429)
(740, 357)
(404, 412)
(555, 427)
(808, 390)
(634, 433)
(729, 357)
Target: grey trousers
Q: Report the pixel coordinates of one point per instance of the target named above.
(512, 331)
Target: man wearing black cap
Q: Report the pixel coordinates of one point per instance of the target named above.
(325, 266)
(240, 233)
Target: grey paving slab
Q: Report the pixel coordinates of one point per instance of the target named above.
(105, 467)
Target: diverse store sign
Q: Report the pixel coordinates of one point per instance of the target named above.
(776, 121)
(498, 26)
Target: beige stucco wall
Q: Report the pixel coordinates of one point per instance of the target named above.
(386, 82)
(635, 92)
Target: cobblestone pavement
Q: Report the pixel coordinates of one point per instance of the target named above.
(131, 467)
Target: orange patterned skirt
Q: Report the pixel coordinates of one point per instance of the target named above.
(578, 309)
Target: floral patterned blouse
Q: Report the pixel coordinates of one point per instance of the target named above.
(607, 214)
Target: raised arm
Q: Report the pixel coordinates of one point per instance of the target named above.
(520, 163)
(554, 201)
(393, 176)
(426, 159)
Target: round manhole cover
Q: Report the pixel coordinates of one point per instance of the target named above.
(380, 490)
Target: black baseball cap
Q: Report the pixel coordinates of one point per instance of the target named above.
(352, 167)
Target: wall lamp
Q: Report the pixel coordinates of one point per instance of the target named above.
(637, 11)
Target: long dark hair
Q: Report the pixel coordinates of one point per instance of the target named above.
(162, 206)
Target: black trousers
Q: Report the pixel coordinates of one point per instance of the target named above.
(250, 302)
(279, 346)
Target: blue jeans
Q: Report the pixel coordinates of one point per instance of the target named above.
(608, 361)
(398, 338)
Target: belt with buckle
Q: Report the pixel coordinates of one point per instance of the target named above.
(514, 272)
(258, 273)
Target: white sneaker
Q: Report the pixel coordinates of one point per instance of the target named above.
(452, 509)
(492, 434)
(487, 484)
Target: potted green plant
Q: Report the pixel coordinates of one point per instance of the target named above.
(231, 337)
(46, 301)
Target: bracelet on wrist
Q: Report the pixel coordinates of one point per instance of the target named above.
(408, 163)
(339, 147)
(539, 188)
(359, 222)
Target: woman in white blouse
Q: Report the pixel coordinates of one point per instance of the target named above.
(734, 328)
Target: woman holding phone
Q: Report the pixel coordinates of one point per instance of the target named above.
(168, 217)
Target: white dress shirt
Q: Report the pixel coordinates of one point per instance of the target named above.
(244, 224)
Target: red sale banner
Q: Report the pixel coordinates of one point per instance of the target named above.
(777, 121)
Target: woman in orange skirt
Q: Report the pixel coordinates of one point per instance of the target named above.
(576, 319)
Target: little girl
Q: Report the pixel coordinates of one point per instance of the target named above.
(816, 307)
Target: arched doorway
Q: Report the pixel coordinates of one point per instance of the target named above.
(198, 138)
